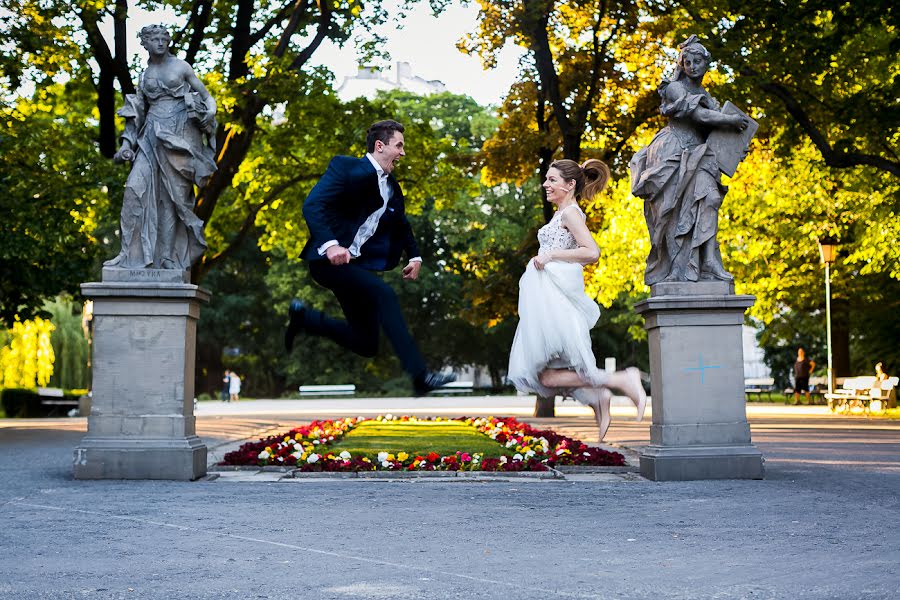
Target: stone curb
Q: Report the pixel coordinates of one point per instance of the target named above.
(551, 473)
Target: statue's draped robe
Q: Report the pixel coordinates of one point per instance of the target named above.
(159, 227)
(678, 177)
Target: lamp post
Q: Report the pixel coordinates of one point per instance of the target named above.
(827, 252)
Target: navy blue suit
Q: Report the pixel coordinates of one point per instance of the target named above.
(342, 200)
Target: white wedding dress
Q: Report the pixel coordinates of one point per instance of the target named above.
(555, 319)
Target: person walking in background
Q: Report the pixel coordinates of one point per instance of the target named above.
(802, 369)
(358, 229)
(234, 386)
(226, 386)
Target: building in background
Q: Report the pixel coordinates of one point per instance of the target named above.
(368, 81)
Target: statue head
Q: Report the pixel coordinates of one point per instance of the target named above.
(155, 33)
(690, 48)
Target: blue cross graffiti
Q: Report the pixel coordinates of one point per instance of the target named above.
(702, 368)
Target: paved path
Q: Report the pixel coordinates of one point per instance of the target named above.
(823, 524)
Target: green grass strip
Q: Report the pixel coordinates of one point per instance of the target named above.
(444, 437)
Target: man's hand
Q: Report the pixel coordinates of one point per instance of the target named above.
(411, 271)
(338, 255)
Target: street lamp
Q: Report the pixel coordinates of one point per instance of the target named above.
(827, 252)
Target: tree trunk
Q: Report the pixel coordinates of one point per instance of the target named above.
(840, 338)
(106, 106)
(545, 407)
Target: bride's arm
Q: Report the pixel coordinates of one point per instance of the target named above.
(587, 251)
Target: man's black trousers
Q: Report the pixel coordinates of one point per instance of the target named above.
(369, 305)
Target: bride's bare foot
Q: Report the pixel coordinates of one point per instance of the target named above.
(598, 399)
(635, 391)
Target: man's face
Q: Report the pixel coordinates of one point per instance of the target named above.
(801, 354)
(389, 154)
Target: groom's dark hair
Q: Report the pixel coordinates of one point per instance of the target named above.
(382, 130)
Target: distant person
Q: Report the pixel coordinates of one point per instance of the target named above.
(226, 386)
(234, 387)
(802, 369)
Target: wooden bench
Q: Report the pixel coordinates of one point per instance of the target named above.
(345, 389)
(759, 385)
(55, 399)
(863, 393)
(455, 387)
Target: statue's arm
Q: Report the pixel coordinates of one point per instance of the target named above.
(134, 111)
(699, 108)
(197, 86)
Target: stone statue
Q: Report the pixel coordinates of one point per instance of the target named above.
(170, 138)
(678, 174)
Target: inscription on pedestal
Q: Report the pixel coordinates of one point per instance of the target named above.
(146, 275)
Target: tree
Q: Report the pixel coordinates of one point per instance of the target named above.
(254, 57)
(53, 197)
(820, 70)
(26, 358)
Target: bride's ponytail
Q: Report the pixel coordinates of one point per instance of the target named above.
(590, 178)
(596, 176)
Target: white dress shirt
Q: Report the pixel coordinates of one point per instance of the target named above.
(367, 229)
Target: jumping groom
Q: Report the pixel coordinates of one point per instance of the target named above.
(358, 228)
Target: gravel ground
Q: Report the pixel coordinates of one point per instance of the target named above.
(823, 524)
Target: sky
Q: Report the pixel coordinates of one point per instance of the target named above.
(426, 42)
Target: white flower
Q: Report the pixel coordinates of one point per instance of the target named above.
(529, 454)
(503, 460)
(389, 417)
(517, 456)
(345, 455)
(313, 458)
(382, 457)
(297, 455)
(263, 455)
(386, 464)
(559, 451)
(316, 442)
(280, 459)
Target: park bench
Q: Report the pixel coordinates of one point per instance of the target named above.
(456, 387)
(863, 393)
(345, 389)
(759, 386)
(55, 399)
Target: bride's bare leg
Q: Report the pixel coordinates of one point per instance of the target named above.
(562, 378)
(627, 381)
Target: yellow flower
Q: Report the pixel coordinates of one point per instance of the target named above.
(391, 457)
(298, 437)
(401, 456)
(525, 449)
(366, 459)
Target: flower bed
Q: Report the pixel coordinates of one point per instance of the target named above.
(520, 447)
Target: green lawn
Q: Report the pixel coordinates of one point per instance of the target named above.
(444, 437)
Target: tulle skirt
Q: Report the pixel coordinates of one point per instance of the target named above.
(555, 319)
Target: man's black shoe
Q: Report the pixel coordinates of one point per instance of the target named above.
(297, 317)
(431, 381)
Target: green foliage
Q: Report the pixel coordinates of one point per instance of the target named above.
(26, 359)
(52, 196)
(70, 346)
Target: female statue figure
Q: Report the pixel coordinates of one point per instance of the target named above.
(169, 136)
(678, 177)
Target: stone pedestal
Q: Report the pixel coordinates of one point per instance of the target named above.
(142, 424)
(700, 428)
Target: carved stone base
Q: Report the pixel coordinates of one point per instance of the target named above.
(142, 415)
(700, 428)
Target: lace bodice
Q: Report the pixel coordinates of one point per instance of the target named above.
(553, 236)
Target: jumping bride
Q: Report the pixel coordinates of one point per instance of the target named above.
(551, 352)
